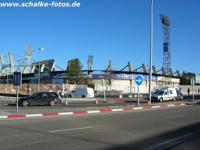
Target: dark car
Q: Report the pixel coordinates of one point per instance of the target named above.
(40, 98)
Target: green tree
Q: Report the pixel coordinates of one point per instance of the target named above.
(186, 78)
(74, 70)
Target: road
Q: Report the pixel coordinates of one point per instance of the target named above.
(150, 129)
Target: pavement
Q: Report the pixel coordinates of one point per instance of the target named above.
(86, 111)
(170, 128)
(8, 108)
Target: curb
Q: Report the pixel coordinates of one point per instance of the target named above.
(81, 113)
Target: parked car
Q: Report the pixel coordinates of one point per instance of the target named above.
(40, 98)
(81, 93)
(165, 94)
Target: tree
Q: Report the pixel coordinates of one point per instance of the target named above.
(186, 78)
(74, 70)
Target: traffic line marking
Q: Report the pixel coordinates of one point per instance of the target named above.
(72, 129)
(3, 117)
(79, 113)
(34, 115)
(93, 111)
(119, 109)
(155, 106)
(137, 108)
(182, 104)
(171, 105)
(65, 113)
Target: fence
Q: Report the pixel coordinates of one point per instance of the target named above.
(28, 89)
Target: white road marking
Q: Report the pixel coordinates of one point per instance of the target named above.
(137, 108)
(93, 111)
(171, 105)
(3, 117)
(155, 106)
(170, 141)
(72, 129)
(182, 104)
(119, 109)
(65, 113)
(34, 115)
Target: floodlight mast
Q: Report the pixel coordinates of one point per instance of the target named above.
(40, 50)
(28, 56)
(166, 44)
(90, 64)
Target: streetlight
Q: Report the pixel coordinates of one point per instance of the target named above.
(151, 49)
(41, 50)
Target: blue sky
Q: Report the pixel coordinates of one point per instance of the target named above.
(116, 30)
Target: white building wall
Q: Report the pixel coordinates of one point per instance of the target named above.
(121, 85)
(184, 89)
(129, 86)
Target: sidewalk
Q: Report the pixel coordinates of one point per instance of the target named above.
(31, 112)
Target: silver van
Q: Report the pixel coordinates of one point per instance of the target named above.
(81, 93)
(165, 94)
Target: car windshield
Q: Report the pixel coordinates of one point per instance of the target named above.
(158, 92)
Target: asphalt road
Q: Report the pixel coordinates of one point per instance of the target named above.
(152, 129)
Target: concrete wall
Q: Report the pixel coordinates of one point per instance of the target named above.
(129, 86)
(184, 89)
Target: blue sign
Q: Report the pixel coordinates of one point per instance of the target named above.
(17, 78)
(138, 80)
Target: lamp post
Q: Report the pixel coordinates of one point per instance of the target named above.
(41, 50)
(151, 49)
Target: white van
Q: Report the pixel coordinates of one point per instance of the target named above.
(81, 93)
(165, 94)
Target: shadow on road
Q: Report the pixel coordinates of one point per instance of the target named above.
(166, 140)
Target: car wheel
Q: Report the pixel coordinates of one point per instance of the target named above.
(161, 100)
(52, 103)
(25, 103)
(70, 96)
(83, 96)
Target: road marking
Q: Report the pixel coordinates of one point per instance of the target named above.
(93, 111)
(137, 108)
(72, 129)
(155, 106)
(182, 104)
(171, 105)
(65, 113)
(119, 109)
(3, 117)
(169, 141)
(34, 115)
